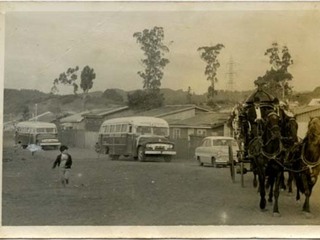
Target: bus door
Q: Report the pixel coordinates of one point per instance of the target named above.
(129, 140)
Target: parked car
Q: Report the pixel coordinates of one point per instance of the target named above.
(214, 150)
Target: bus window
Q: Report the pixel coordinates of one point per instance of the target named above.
(124, 128)
(112, 128)
(144, 130)
(118, 128)
(130, 128)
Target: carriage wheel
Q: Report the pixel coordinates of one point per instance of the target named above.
(232, 171)
(114, 157)
(241, 172)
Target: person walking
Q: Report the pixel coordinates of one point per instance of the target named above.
(64, 162)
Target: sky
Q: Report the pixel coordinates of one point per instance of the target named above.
(42, 40)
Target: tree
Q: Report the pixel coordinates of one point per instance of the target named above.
(209, 54)
(67, 78)
(25, 113)
(151, 43)
(189, 95)
(276, 79)
(87, 76)
(145, 100)
(113, 95)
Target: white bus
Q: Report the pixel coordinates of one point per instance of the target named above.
(138, 137)
(43, 134)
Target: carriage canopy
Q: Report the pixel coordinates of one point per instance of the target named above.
(265, 98)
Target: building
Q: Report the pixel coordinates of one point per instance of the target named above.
(303, 115)
(93, 120)
(314, 102)
(202, 124)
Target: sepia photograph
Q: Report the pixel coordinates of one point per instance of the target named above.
(160, 119)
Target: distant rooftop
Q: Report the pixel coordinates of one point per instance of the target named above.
(205, 119)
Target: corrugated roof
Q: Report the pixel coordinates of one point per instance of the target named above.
(105, 111)
(170, 109)
(314, 102)
(304, 109)
(156, 112)
(78, 117)
(75, 118)
(209, 119)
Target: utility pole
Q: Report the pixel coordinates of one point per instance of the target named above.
(230, 73)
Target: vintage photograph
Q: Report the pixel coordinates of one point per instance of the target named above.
(160, 119)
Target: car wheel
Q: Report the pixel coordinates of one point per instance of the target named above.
(114, 157)
(213, 162)
(199, 161)
(141, 155)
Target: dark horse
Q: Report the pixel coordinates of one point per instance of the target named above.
(289, 133)
(266, 154)
(305, 162)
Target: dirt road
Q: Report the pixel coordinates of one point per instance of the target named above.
(124, 192)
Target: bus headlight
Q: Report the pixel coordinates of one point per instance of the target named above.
(170, 146)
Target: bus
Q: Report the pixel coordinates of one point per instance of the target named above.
(138, 137)
(43, 134)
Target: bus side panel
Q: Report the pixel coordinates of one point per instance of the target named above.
(119, 144)
(130, 145)
(25, 139)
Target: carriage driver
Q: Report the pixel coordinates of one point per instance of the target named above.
(255, 117)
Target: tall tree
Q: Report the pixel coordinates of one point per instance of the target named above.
(151, 43)
(67, 78)
(189, 95)
(277, 78)
(87, 76)
(25, 113)
(209, 54)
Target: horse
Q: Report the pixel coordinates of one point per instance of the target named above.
(266, 153)
(305, 162)
(289, 133)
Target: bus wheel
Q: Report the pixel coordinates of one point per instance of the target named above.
(141, 156)
(167, 158)
(114, 157)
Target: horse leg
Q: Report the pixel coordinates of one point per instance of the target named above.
(262, 191)
(282, 181)
(271, 185)
(289, 182)
(277, 193)
(307, 193)
(255, 182)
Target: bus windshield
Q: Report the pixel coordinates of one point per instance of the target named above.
(46, 130)
(161, 131)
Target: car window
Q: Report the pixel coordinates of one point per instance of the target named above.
(220, 142)
(208, 143)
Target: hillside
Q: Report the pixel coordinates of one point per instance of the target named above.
(20, 104)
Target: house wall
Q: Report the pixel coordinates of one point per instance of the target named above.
(93, 124)
(305, 117)
(78, 138)
(303, 120)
